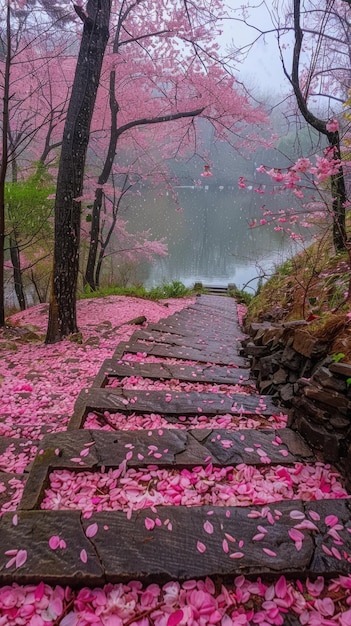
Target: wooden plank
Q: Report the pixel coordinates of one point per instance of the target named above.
(217, 302)
(123, 549)
(164, 371)
(215, 333)
(8, 486)
(199, 341)
(211, 312)
(254, 447)
(201, 318)
(168, 448)
(184, 353)
(62, 566)
(179, 403)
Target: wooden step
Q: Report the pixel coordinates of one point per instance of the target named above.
(215, 374)
(166, 403)
(295, 538)
(185, 543)
(198, 355)
(169, 448)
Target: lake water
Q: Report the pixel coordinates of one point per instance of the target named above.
(209, 239)
(208, 235)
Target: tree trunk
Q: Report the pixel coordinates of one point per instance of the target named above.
(94, 256)
(339, 195)
(99, 266)
(4, 160)
(103, 178)
(62, 312)
(17, 274)
(89, 277)
(337, 185)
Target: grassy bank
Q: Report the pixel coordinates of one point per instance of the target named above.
(312, 286)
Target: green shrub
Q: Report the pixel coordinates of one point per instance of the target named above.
(175, 289)
(241, 296)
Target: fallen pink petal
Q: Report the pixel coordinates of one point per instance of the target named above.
(269, 552)
(21, 558)
(200, 546)
(236, 555)
(91, 530)
(54, 542)
(83, 556)
(58, 373)
(208, 527)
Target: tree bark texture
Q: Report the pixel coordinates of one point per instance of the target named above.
(4, 161)
(17, 274)
(62, 312)
(337, 185)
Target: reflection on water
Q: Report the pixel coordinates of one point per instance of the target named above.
(208, 236)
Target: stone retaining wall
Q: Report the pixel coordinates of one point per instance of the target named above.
(294, 367)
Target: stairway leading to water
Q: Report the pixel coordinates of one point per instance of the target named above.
(174, 468)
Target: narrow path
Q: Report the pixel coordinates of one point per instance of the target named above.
(214, 483)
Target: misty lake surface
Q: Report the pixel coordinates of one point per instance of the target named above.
(208, 235)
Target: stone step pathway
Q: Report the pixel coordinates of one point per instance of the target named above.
(159, 531)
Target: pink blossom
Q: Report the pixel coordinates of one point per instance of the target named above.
(175, 618)
(208, 527)
(91, 530)
(301, 165)
(54, 542)
(200, 546)
(83, 556)
(332, 126)
(149, 523)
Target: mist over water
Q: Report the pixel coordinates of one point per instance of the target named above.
(208, 235)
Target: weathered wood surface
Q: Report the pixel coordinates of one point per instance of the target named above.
(215, 374)
(187, 353)
(166, 448)
(199, 342)
(9, 484)
(11, 446)
(124, 550)
(213, 333)
(169, 403)
(196, 321)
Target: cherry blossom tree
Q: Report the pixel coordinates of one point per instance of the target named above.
(163, 66)
(314, 48)
(32, 115)
(164, 94)
(314, 81)
(62, 313)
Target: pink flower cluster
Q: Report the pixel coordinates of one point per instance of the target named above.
(119, 421)
(32, 605)
(192, 603)
(134, 489)
(139, 382)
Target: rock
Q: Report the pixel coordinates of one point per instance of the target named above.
(340, 423)
(272, 336)
(344, 369)
(280, 376)
(291, 359)
(269, 365)
(304, 406)
(325, 377)
(309, 346)
(331, 398)
(287, 392)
